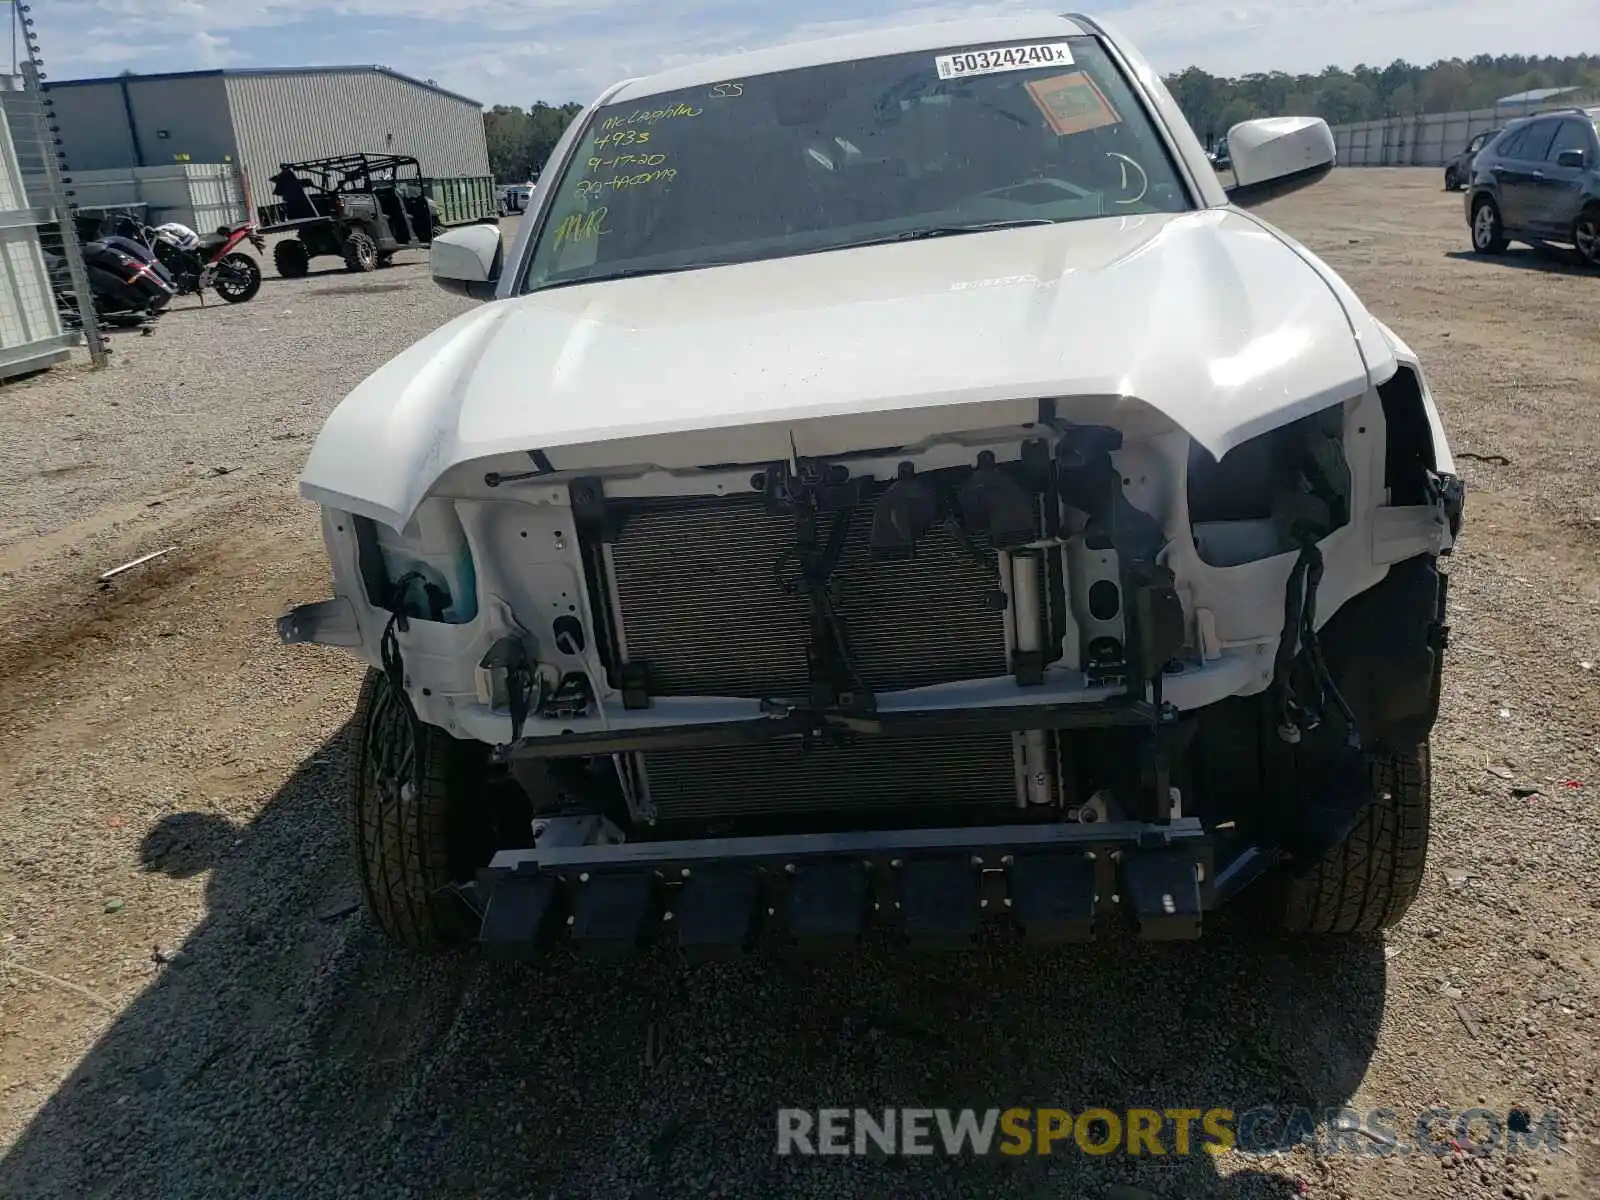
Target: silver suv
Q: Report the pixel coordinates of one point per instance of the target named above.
(1539, 182)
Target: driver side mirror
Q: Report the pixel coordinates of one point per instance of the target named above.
(468, 261)
(1274, 156)
(1572, 158)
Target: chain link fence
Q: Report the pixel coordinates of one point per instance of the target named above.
(46, 305)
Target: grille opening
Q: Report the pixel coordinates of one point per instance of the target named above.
(875, 782)
(701, 601)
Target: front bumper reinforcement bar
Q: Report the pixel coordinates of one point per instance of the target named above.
(933, 887)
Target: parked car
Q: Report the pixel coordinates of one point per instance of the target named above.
(514, 199)
(868, 501)
(1459, 169)
(1219, 156)
(1539, 183)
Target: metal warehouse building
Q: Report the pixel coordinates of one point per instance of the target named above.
(258, 119)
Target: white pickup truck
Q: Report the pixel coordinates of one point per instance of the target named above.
(890, 488)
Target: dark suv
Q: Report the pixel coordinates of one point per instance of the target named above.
(1459, 169)
(1539, 182)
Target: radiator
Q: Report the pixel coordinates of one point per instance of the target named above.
(699, 599)
(701, 603)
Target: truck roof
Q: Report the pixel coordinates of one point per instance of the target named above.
(874, 44)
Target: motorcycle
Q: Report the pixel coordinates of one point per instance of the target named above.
(130, 287)
(198, 264)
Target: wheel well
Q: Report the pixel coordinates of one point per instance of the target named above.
(1479, 198)
(1408, 453)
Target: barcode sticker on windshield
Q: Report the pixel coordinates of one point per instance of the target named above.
(1002, 58)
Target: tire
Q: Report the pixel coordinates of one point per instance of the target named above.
(1586, 235)
(360, 251)
(1368, 881)
(1488, 234)
(414, 840)
(1451, 184)
(246, 282)
(291, 259)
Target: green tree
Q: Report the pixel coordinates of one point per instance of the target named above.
(1213, 104)
(520, 142)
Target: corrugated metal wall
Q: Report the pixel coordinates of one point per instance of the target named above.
(185, 115)
(94, 126)
(202, 196)
(282, 118)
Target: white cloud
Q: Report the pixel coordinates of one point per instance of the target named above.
(516, 51)
(104, 51)
(1244, 36)
(212, 50)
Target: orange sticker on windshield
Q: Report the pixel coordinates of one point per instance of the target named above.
(1071, 103)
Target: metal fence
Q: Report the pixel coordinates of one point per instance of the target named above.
(45, 305)
(1424, 139)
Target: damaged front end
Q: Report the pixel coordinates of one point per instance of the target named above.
(1067, 671)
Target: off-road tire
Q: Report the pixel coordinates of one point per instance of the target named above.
(291, 259)
(1488, 234)
(416, 840)
(1368, 881)
(360, 251)
(251, 270)
(1586, 235)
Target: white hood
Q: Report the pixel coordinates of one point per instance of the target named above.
(1211, 318)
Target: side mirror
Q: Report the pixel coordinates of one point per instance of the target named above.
(467, 261)
(1274, 156)
(1571, 158)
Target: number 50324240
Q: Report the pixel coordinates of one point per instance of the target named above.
(1002, 58)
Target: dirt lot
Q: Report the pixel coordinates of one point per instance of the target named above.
(191, 1005)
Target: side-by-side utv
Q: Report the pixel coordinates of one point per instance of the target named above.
(360, 207)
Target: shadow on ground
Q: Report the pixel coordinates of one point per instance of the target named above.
(1551, 260)
(333, 267)
(286, 1051)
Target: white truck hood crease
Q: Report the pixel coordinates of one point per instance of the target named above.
(1208, 317)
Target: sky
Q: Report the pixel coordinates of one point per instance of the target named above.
(519, 51)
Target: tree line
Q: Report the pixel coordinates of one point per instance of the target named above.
(1213, 105)
(520, 141)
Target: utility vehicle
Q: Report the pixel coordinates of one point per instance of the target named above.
(358, 207)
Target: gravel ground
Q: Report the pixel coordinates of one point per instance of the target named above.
(192, 1005)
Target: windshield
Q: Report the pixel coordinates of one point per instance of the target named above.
(847, 153)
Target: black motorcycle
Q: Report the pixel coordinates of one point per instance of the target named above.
(201, 263)
(129, 285)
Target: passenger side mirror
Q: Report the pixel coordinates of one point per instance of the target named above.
(467, 261)
(1572, 158)
(1274, 156)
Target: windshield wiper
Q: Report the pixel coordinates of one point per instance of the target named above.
(624, 273)
(933, 231)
